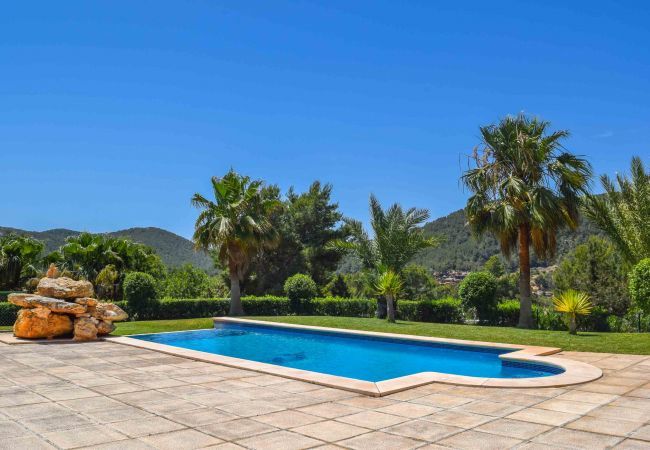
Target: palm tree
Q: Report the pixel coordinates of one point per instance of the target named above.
(573, 304)
(19, 256)
(389, 284)
(235, 226)
(624, 213)
(525, 188)
(398, 237)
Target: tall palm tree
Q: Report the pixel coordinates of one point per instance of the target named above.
(397, 238)
(624, 213)
(19, 256)
(235, 226)
(525, 188)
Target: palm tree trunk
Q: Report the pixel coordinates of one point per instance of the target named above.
(390, 308)
(572, 325)
(526, 307)
(236, 307)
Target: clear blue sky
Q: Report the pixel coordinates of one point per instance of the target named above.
(113, 113)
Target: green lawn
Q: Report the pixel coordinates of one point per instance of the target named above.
(632, 343)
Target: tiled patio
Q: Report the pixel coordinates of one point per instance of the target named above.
(105, 395)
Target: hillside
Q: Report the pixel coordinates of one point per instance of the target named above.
(462, 251)
(174, 250)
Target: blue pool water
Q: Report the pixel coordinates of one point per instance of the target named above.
(360, 357)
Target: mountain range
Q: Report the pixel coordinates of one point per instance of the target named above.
(459, 251)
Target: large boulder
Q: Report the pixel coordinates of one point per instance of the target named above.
(38, 323)
(64, 287)
(85, 329)
(109, 312)
(53, 304)
(86, 301)
(104, 327)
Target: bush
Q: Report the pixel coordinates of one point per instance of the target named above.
(446, 310)
(8, 312)
(506, 314)
(337, 287)
(478, 291)
(639, 285)
(140, 293)
(345, 307)
(300, 290)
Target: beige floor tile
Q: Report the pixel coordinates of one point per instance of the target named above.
(567, 406)
(380, 441)
(35, 411)
(410, 410)
(460, 419)
(587, 397)
(423, 430)
(251, 408)
(543, 416)
(615, 412)
(25, 442)
(279, 440)
(330, 431)
(442, 400)
(330, 410)
(604, 426)
(642, 433)
(236, 429)
(54, 423)
(182, 439)
(632, 444)
(367, 402)
(514, 428)
(472, 440)
(10, 429)
(372, 419)
(489, 408)
(288, 419)
(146, 426)
(83, 437)
(577, 439)
(197, 417)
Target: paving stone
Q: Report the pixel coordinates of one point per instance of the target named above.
(251, 408)
(10, 429)
(577, 439)
(288, 419)
(513, 428)
(378, 440)
(423, 430)
(632, 444)
(615, 412)
(372, 419)
(410, 410)
(146, 426)
(83, 437)
(567, 406)
(543, 416)
(182, 439)
(330, 431)
(489, 408)
(34, 410)
(642, 433)
(460, 419)
(279, 440)
(197, 417)
(442, 400)
(604, 426)
(472, 440)
(236, 429)
(25, 442)
(53, 423)
(330, 410)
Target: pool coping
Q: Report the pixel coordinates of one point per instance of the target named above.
(575, 372)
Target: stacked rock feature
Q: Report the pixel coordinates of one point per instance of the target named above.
(62, 306)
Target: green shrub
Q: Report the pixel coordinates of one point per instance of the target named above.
(140, 293)
(8, 312)
(506, 314)
(446, 310)
(345, 307)
(639, 285)
(478, 291)
(300, 290)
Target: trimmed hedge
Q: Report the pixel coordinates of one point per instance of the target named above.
(446, 310)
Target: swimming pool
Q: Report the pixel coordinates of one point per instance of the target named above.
(363, 357)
